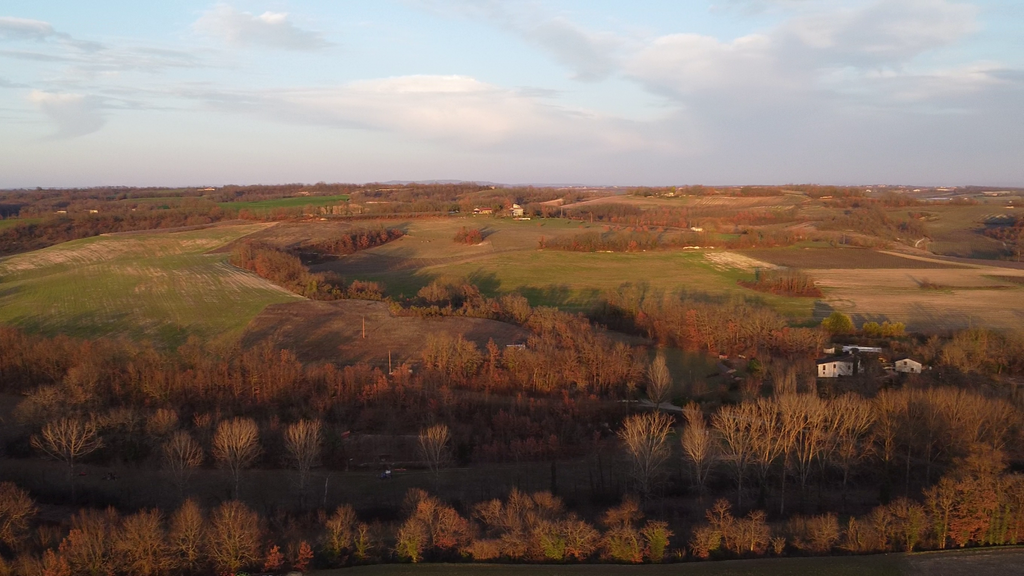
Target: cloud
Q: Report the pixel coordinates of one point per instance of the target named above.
(592, 56)
(269, 30)
(74, 114)
(807, 53)
(24, 29)
(458, 110)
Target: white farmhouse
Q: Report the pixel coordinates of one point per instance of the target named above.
(517, 211)
(907, 366)
(837, 366)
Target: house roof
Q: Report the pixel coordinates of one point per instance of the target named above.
(830, 359)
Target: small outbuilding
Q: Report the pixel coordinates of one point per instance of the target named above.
(907, 365)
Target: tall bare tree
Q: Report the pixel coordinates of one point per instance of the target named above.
(236, 445)
(854, 417)
(736, 427)
(16, 513)
(769, 440)
(433, 446)
(182, 455)
(659, 381)
(187, 535)
(699, 446)
(645, 437)
(233, 540)
(68, 440)
(303, 441)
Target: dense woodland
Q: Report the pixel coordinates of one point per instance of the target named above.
(762, 459)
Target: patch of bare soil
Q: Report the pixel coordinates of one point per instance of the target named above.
(736, 261)
(333, 331)
(844, 258)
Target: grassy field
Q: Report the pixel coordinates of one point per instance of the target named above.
(981, 562)
(12, 222)
(508, 261)
(296, 202)
(144, 285)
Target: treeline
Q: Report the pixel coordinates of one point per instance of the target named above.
(469, 236)
(783, 282)
(645, 238)
(232, 538)
(784, 439)
(696, 323)
(351, 242)
(874, 221)
(62, 228)
(285, 269)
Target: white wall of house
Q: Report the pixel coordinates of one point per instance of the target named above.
(835, 369)
(908, 366)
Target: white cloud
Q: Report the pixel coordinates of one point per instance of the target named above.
(591, 55)
(457, 110)
(24, 29)
(74, 114)
(270, 29)
(807, 53)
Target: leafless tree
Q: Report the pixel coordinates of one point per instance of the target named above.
(645, 438)
(769, 439)
(854, 418)
(141, 545)
(182, 455)
(16, 513)
(236, 445)
(233, 542)
(433, 445)
(807, 416)
(736, 427)
(659, 381)
(187, 535)
(303, 440)
(68, 440)
(698, 446)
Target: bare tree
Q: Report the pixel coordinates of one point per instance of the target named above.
(16, 513)
(433, 445)
(233, 542)
(187, 536)
(769, 440)
(659, 381)
(854, 418)
(303, 440)
(68, 440)
(698, 446)
(141, 544)
(736, 427)
(645, 438)
(182, 455)
(236, 445)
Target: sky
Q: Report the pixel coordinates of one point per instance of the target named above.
(596, 92)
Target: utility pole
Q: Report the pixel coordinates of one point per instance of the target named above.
(390, 371)
(364, 326)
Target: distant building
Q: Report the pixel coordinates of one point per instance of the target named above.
(483, 211)
(837, 366)
(517, 211)
(907, 366)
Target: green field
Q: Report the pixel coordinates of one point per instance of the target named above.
(508, 261)
(12, 222)
(296, 202)
(975, 562)
(163, 286)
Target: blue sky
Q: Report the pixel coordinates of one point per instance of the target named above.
(516, 91)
